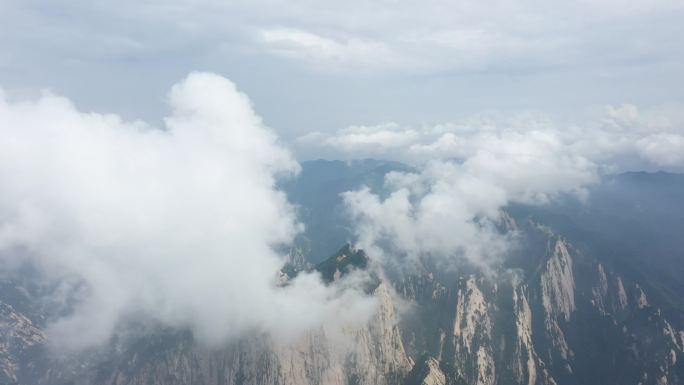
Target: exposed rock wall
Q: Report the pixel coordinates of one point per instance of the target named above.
(18, 335)
(367, 354)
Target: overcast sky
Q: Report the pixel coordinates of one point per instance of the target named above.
(325, 65)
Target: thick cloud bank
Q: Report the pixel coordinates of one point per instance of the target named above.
(469, 171)
(617, 138)
(176, 225)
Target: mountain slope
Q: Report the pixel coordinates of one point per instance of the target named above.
(563, 308)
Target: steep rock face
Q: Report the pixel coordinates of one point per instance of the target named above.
(426, 372)
(598, 329)
(493, 335)
(257, 360)
(378, 355)
(558, 283)
(472, 334)
(648, 344)
(372, 353)
(18, 336)
(567, 320)
(557, 291)
(609, 295)
(527, 367)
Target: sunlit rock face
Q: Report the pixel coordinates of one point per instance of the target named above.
(565, 317)
(19, 336)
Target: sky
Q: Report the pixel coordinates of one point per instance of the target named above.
(141, 142)
(326, 65)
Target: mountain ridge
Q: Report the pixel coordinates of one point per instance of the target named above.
(558, 311)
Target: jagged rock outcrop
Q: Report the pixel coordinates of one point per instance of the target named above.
(18, 335)
(426, 372)
(568, 319)
(608, 295)
(527, 367)
(558, 284)
(557, 292)
(472, 334)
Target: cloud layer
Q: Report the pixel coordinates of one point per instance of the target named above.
(619, 137)
(378, 35)
(175, 225)
(357, 61)
(468, 171)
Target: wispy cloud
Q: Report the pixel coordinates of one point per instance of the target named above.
(619, 137)
(378, 35)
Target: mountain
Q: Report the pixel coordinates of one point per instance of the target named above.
(370, 353)
(569, 320)
(592, 295)
(316, 192)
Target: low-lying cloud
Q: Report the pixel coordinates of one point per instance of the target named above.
(618, 138)
(175, 225)
(467, 172)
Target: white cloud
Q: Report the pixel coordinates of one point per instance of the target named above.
(175, 225)
(663, 149)
(360, 140)
(442, 212)
(525, 141)
(324, 53)
(470, 170)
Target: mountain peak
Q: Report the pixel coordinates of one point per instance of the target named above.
(342, 262)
